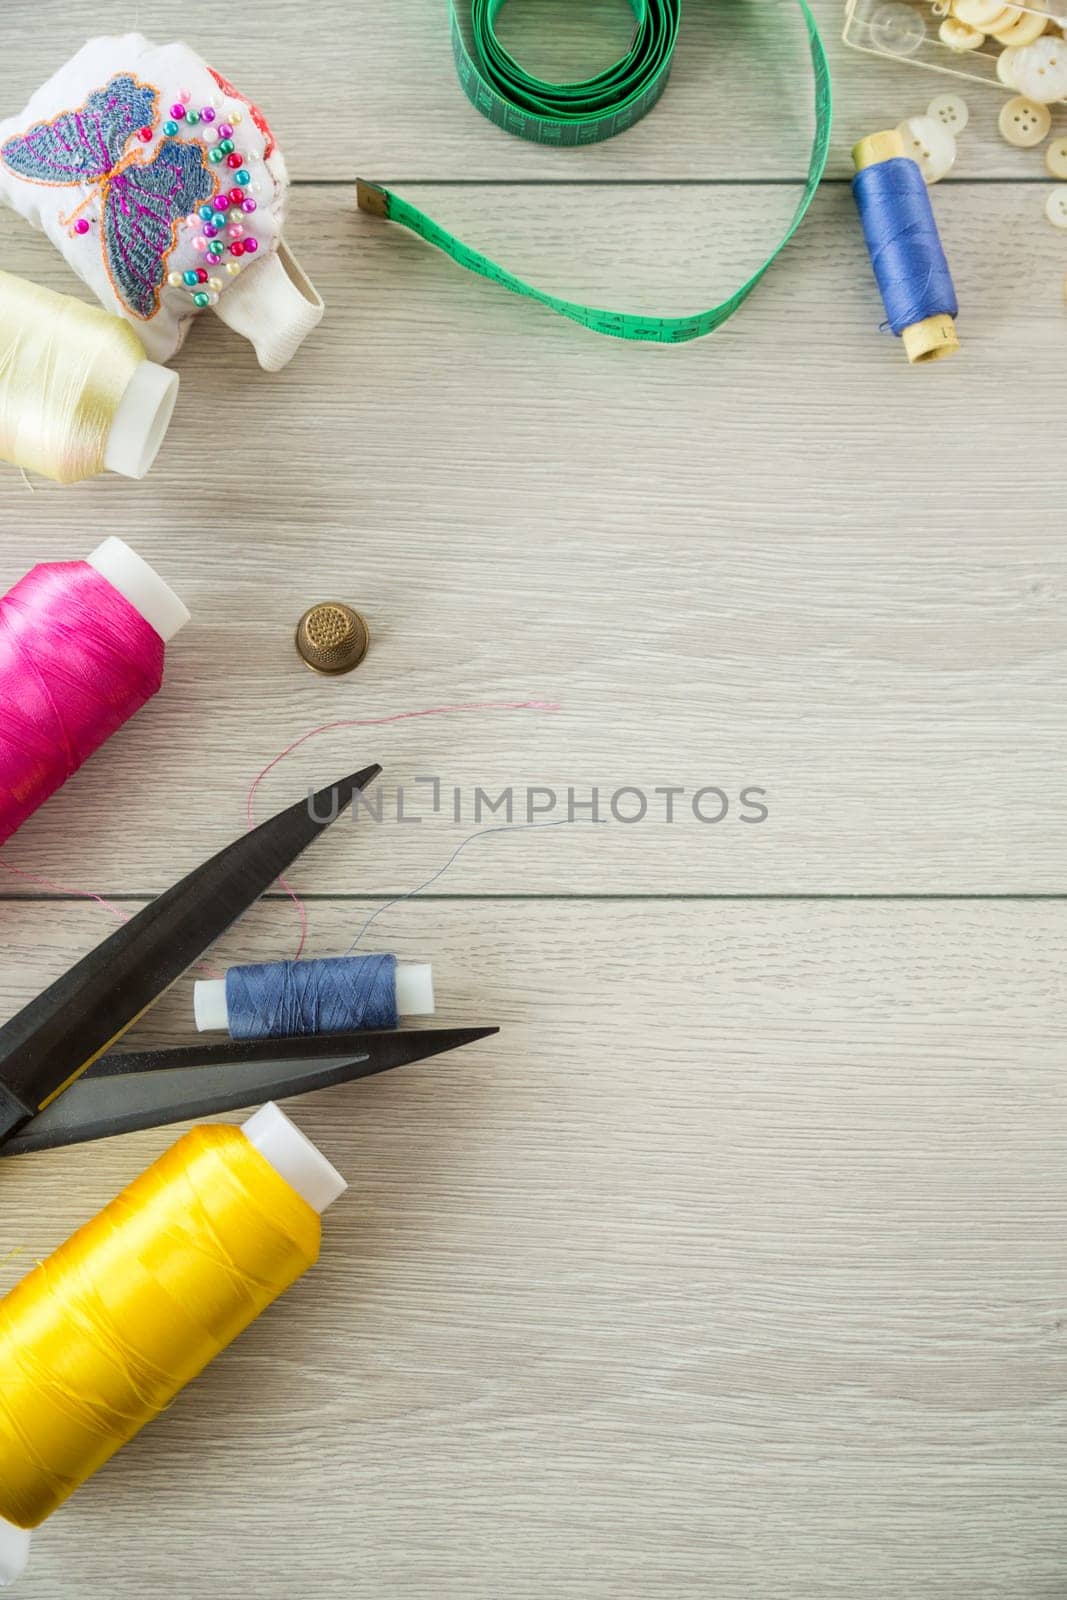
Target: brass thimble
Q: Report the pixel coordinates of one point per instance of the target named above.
(332, 638)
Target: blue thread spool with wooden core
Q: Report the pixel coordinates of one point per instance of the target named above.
(905, 248)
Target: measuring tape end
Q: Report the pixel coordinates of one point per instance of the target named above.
(372, 198)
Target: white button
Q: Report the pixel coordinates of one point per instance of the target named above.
(930, 146)
(1056, 158)
(897, 29)
(1006, 68)
(1008, 17)
(958, 36)
(1039, 70)
(1024, 123)
(1024, 28)
(1056, 207)
(950, 111)
(984, 14)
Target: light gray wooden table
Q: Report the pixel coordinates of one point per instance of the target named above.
(736, 1268)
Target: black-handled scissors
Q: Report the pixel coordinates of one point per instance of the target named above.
(66, 1033)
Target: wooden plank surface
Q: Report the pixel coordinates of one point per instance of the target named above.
(843, 590)
(737, 1266)
(374, 91)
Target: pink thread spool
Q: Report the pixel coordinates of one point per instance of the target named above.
(81, 651)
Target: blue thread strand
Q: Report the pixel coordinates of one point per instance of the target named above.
(287, 999)
(483, 833)
(902, 238)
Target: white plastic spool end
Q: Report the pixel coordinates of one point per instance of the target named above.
(141, 420)
(414, 989)
(414, 997)
(294, 1157)
(14, 1552)
(141, 585)
(209, 1005)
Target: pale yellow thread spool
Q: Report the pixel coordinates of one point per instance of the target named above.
(77, 395)
(102, 1336)
(933, 337)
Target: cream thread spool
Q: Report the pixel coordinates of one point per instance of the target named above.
(78, 396)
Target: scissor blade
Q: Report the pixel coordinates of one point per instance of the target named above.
(83, 1013)
(124, 1093)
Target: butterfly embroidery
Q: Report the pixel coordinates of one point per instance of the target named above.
(142, 200)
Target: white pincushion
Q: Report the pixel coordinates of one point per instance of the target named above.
(128, 158)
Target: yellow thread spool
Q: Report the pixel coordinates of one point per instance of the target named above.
(77, 395)
(101, 1337)
(934, 337)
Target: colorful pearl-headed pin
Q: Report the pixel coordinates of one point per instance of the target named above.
(207, 212)
(216, 247)
(200, 243)
(215, 284)
(192, 117)
(145, 134)
(207, 113)
(170, 128)
(243, 175)
(215, 154)
(174, 279)
(233, 268)
(226, 145)
(177, 111)
(201, 299)
(184, 96)
(234, 160)
(191, 277)
(81, 226)
(210, 230)
(251, 246)
(237, 248)
(235, 231)
(225, 130)
(201, 274)
(248, 205)
(236, 115)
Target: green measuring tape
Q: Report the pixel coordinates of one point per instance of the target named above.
(573, 114)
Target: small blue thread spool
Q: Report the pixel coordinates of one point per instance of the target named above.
(905, 247)
(291, 999)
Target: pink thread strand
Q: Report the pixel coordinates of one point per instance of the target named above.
(325, 727)
(87, 894)
(399, 716)
(374, 722)
(58, 888)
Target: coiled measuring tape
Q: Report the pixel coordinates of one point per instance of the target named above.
(574, 114)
